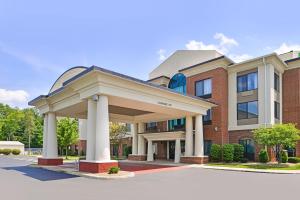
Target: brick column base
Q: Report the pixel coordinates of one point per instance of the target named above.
(50, 161)
(194, 159)
(96, 167)
(137, 157)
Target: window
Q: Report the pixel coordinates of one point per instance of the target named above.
(151, 126)
(203, 88)
(276, 110)
(176, 124)
(247, 82)
(207, 118)
(247, 110)
(276, 82)
(178, 83)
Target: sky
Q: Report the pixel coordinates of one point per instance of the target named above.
(39, 40)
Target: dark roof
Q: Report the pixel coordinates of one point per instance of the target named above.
(292, 60)
(92, 68)
(152, 79)
(202, 63)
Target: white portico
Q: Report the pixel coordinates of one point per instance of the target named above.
(101, 96)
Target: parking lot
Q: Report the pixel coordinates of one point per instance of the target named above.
(19, 181)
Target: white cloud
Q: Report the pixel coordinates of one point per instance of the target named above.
(225, 41)
(223, 46)
(14, 98)
(162, 54)
(240, 58)
(287, 47)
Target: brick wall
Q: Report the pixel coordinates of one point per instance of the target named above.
(291, 99)
(219, 78)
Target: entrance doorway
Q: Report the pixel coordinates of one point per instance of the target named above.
(171, 150)
(248, 148)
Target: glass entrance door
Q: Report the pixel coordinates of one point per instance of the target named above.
(248, 148)
(171, 150)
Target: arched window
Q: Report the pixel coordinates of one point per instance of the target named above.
(178, 83)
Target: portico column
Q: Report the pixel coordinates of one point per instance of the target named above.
(177, 151)
(168, 150)
(134, 139)
(199, 149)
(102, 130)
(189, 136)
(91, 130)
(45, 132)
(141, 140)
(51, 136)
(150, 151)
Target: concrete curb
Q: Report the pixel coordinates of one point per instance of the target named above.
(251, 170)
(103, 176)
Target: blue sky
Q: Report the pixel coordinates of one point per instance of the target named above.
(39, 40)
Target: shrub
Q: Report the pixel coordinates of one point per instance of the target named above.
(284, 157)
(215, 153)
(228, 151)
(263, 156)
(15, 151)
(6, 151)
(244, 160)
(113, 170)
(238, 154)
(293, 160)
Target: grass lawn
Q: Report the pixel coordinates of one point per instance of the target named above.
(71, 157)
(258, 166)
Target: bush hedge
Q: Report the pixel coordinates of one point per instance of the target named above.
(6, 151)
(238, 154)
(16, 152)
(284, 157)
(263, 156)
(293, 160)
(228, 152)
(113, 170)
(215, 153)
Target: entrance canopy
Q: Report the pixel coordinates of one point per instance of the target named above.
(130, 100)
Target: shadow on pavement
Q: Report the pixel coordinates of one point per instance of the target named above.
(40, 174)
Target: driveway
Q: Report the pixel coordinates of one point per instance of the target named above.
(18, 181)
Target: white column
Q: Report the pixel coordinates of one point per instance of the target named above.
(82, 128)
(168, 150)
(189, 136)
(134, 139)
(141, 127)
(150, 151)
(51, 136)
(102, 130)
(177, 151)
(91, 130)
(199, 149)
(141, 145)
(45, 133)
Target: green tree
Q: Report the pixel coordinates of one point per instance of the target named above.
(277, 137)
(117, 131)
(67, 133)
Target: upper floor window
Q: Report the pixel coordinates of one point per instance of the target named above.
(178, 83)
(247, 110)
(203, 88)
(247, 82)
(207, 118)
(276, 82)
(176, 124)
(151, 126)
(276, 110)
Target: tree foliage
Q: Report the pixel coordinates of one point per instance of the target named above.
(24, 125)
(67, 133)
(117, 131)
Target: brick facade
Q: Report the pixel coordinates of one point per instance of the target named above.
(218, 130)
(291, 99)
